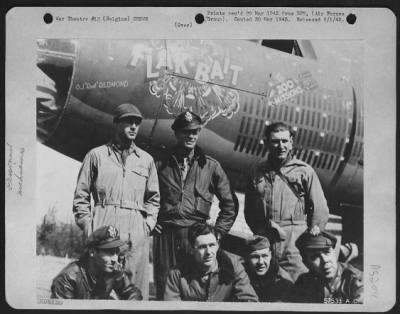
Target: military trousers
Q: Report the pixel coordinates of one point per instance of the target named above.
(171, 248)
(286, 252)
(136, 235)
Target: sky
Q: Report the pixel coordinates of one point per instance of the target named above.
(56, 177)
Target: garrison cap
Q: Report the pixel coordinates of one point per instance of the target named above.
(106, 237)
(126, 110)
(187, 120)
(324, 240)
(257, 243)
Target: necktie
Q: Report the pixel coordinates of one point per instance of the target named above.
(185, 167)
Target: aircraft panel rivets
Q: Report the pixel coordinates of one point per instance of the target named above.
(347, 103)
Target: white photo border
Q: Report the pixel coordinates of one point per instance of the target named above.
(25, 25)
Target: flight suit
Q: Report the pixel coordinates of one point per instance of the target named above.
(185, 202)
(346, 287)
(126, 195)
(293, 199)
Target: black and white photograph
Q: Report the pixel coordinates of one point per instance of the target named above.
(188, 171)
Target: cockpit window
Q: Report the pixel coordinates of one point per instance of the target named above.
(288, 46)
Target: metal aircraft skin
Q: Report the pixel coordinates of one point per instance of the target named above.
(237, 86)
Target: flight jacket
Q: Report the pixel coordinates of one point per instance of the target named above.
(184, 203)
(269, 197)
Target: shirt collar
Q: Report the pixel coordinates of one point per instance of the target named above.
(273, 164)
(178, 154)
(198, 273)
(292, 161)
(114, 146)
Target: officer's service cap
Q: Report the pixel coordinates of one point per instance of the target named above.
(257, 243)
(106, 237)
(323, 240)
(187, 120)
(126, 110)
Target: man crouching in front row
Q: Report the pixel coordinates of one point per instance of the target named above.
(98, 273)
(328, 281)
(211, 275)
(270, 281)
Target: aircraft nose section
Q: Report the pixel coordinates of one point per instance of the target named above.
(55, 63)
(49, 106)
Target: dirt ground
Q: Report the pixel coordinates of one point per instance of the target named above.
(48, 268)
